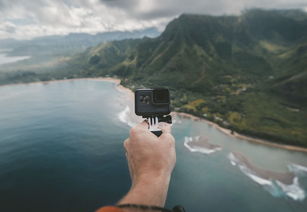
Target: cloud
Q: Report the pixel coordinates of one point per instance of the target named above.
(25, 19)
(148, 9)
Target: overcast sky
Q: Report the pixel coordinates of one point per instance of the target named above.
(24, 19)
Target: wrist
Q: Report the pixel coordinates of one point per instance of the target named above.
(149, 190)
(153, 177)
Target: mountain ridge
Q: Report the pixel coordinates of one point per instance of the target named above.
(227, 69)
(247, 73)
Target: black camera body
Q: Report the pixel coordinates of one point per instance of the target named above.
(154, 105)
(152, 102)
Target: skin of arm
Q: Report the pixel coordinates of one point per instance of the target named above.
(151, 160)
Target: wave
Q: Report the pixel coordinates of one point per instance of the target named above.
(125, 117)
(275, 183)
(197, 144)
(299, 170)
(176, 119)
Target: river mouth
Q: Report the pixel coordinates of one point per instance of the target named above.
(61, 149)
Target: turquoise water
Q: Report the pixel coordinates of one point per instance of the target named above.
(61, 150)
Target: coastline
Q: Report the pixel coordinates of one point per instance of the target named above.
(117, 81)
(243, 137)
(226, 131)
(126, 90)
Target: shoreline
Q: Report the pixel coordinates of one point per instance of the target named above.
(226, 131)
(218, 127)
(241, 136)
(115, 80)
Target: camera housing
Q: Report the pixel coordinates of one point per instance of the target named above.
(152, 102)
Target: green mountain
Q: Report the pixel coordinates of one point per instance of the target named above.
(247, 73)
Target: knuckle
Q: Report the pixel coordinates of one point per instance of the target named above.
(133, 131)
(136, 131)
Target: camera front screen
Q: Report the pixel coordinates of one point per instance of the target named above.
(161, 96)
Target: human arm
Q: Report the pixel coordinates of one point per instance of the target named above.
(151, 160)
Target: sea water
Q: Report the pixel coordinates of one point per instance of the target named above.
(61, 149)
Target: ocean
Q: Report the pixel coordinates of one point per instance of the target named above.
(61, 149)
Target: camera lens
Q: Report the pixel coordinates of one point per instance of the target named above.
(161, 96)
(144, 99)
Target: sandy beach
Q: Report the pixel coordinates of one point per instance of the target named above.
(180, 114)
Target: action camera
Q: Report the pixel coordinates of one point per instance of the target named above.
(152, 102)
(154, 105)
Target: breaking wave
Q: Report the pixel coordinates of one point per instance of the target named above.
(125, 117)
(274, 186)
(196, 145)
(176, 119)
(297, 169)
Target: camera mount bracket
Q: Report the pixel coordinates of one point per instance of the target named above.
(153, 122)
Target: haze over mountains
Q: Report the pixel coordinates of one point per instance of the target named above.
(53, 49)
(72, 41)
(247, 72)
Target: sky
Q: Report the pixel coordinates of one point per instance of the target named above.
(26, 19)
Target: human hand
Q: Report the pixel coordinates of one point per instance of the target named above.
(150, 156)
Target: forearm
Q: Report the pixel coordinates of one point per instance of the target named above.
(149, 190)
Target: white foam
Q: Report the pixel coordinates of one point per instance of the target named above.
(235, 162)
(294, 191)
(233, 159)
(203, 150)
(176, 120)
(232, 163)
(124, 116)
(275, 187)
(297, 169)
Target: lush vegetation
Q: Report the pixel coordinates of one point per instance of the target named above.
(247, 73)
